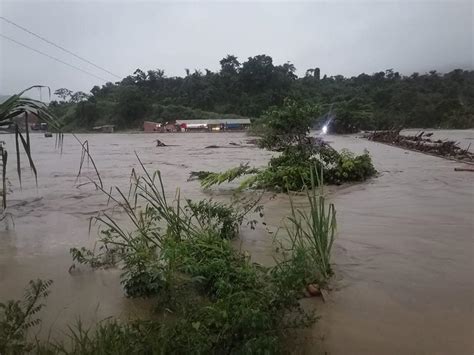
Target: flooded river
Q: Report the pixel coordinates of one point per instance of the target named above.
(404, 254)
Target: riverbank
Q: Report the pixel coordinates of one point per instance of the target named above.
(403, 254)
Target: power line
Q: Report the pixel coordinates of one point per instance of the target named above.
(51, 57)
(57, 46)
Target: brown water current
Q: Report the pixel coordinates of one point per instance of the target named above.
(404, 254)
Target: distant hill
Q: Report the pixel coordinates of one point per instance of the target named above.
(381, 100)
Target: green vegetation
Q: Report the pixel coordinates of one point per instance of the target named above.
(292, 171)
(84, 115)
(18, 109)
(312, 232)
(378, 101)
(285, 129)
(16, 317)
(211, 298)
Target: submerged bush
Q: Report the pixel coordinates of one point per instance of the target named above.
(286, 130)
(349, 167)
(211, 298)
(246, 307)
(16, 317)
(292, 170)
(217, 216)
(223, 304)
(227, 304)
(221, 301)
(144, 253)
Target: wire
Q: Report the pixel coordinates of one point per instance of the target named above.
(57, 46)
(53, 58)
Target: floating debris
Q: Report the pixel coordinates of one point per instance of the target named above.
(160, 143)
(422, 143)
(313, 290)
(463, 169)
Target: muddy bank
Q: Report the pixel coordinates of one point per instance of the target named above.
(403, 255)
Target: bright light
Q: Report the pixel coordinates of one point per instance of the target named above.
(325, 129)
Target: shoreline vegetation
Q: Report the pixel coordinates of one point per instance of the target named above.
(285, 130)
(209, 297)
(378, 101)
(15, 113)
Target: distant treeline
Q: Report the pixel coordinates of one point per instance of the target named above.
(377, 101)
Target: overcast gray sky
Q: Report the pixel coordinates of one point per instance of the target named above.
(348, 37)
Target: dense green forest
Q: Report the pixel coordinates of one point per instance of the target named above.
(381, 100)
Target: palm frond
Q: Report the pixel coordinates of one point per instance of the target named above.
(14, 109)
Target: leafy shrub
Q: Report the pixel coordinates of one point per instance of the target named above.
(216, 216)
(349, 167)
(242, 308)
(283, 177)
(248, 306)
(16, 317)
(285, 129)
(287, 125)
(221, 301)
(209, 178)
(292, 170)
(144, 274)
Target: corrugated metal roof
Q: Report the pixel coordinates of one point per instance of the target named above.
(216, 121)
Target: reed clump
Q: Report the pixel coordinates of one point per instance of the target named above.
(210, 297)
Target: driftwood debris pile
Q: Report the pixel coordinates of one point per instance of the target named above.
(423, 143)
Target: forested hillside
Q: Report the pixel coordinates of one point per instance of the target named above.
(367, 101)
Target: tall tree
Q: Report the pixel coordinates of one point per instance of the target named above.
(63, 93)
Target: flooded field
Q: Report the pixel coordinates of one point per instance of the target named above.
(404, 254)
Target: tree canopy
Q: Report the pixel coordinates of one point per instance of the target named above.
(248, 88)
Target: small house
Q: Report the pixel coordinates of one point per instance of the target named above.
(166, 127)
(149, 126)
(214, 125)
(169, 127)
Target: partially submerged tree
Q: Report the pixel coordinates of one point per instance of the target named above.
(287, 125)
(286, 129)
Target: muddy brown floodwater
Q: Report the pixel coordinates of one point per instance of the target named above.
(404, 254)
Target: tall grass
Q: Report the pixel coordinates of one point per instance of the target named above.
(17, 107)
(86, 156)
(220, 301)
(312, 232)
(157, 222)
